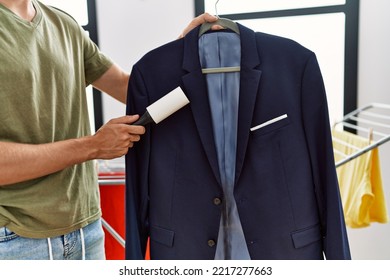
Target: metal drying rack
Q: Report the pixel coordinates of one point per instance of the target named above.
(117, 180)
(373, 121)
(113, 179)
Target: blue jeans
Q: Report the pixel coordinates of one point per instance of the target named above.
(86, 243)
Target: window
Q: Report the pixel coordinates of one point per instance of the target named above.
(249, 6)
(84, 12)
(327, 27)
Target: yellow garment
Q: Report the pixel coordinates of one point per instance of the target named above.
(360, 181)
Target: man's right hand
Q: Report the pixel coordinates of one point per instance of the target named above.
(114, 138)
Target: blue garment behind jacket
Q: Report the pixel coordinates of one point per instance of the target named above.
(223, 49)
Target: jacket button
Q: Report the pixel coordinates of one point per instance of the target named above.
(211, 243)
(217, 201)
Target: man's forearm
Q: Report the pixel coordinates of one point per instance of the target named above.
(21, 162)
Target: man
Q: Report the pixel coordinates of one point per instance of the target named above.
(49, 200)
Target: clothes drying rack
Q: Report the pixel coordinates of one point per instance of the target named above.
(371, 121)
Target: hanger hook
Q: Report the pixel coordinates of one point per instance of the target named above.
(216, 10)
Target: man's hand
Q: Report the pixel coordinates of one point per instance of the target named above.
(206, 17)
(116, 137)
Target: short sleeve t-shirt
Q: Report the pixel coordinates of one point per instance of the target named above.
(45, 66)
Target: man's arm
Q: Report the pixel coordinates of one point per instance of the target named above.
(114, 82)
(21, 162)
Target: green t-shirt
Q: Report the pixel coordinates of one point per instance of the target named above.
(45, 66)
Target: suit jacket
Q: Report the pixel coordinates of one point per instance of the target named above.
(286, 186)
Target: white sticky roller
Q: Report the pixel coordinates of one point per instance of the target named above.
(164, 107)
(167, 105)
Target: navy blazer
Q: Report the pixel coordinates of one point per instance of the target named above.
(286, 186)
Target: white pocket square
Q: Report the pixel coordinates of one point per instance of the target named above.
(269, 122)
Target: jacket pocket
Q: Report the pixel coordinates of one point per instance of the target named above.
(162, 236)
(270, 125)
(304, 237)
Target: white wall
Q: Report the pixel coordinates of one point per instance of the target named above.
(128, 29)
(374, 86)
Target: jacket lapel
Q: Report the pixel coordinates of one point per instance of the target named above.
(249, 85)
(196, 89)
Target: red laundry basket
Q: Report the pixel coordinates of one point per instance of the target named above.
(112, 197)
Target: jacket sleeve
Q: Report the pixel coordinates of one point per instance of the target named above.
(319, 141)
(137, 166)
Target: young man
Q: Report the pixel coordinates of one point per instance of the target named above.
(49, 200)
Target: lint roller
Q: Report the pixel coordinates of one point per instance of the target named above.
(163, 107)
